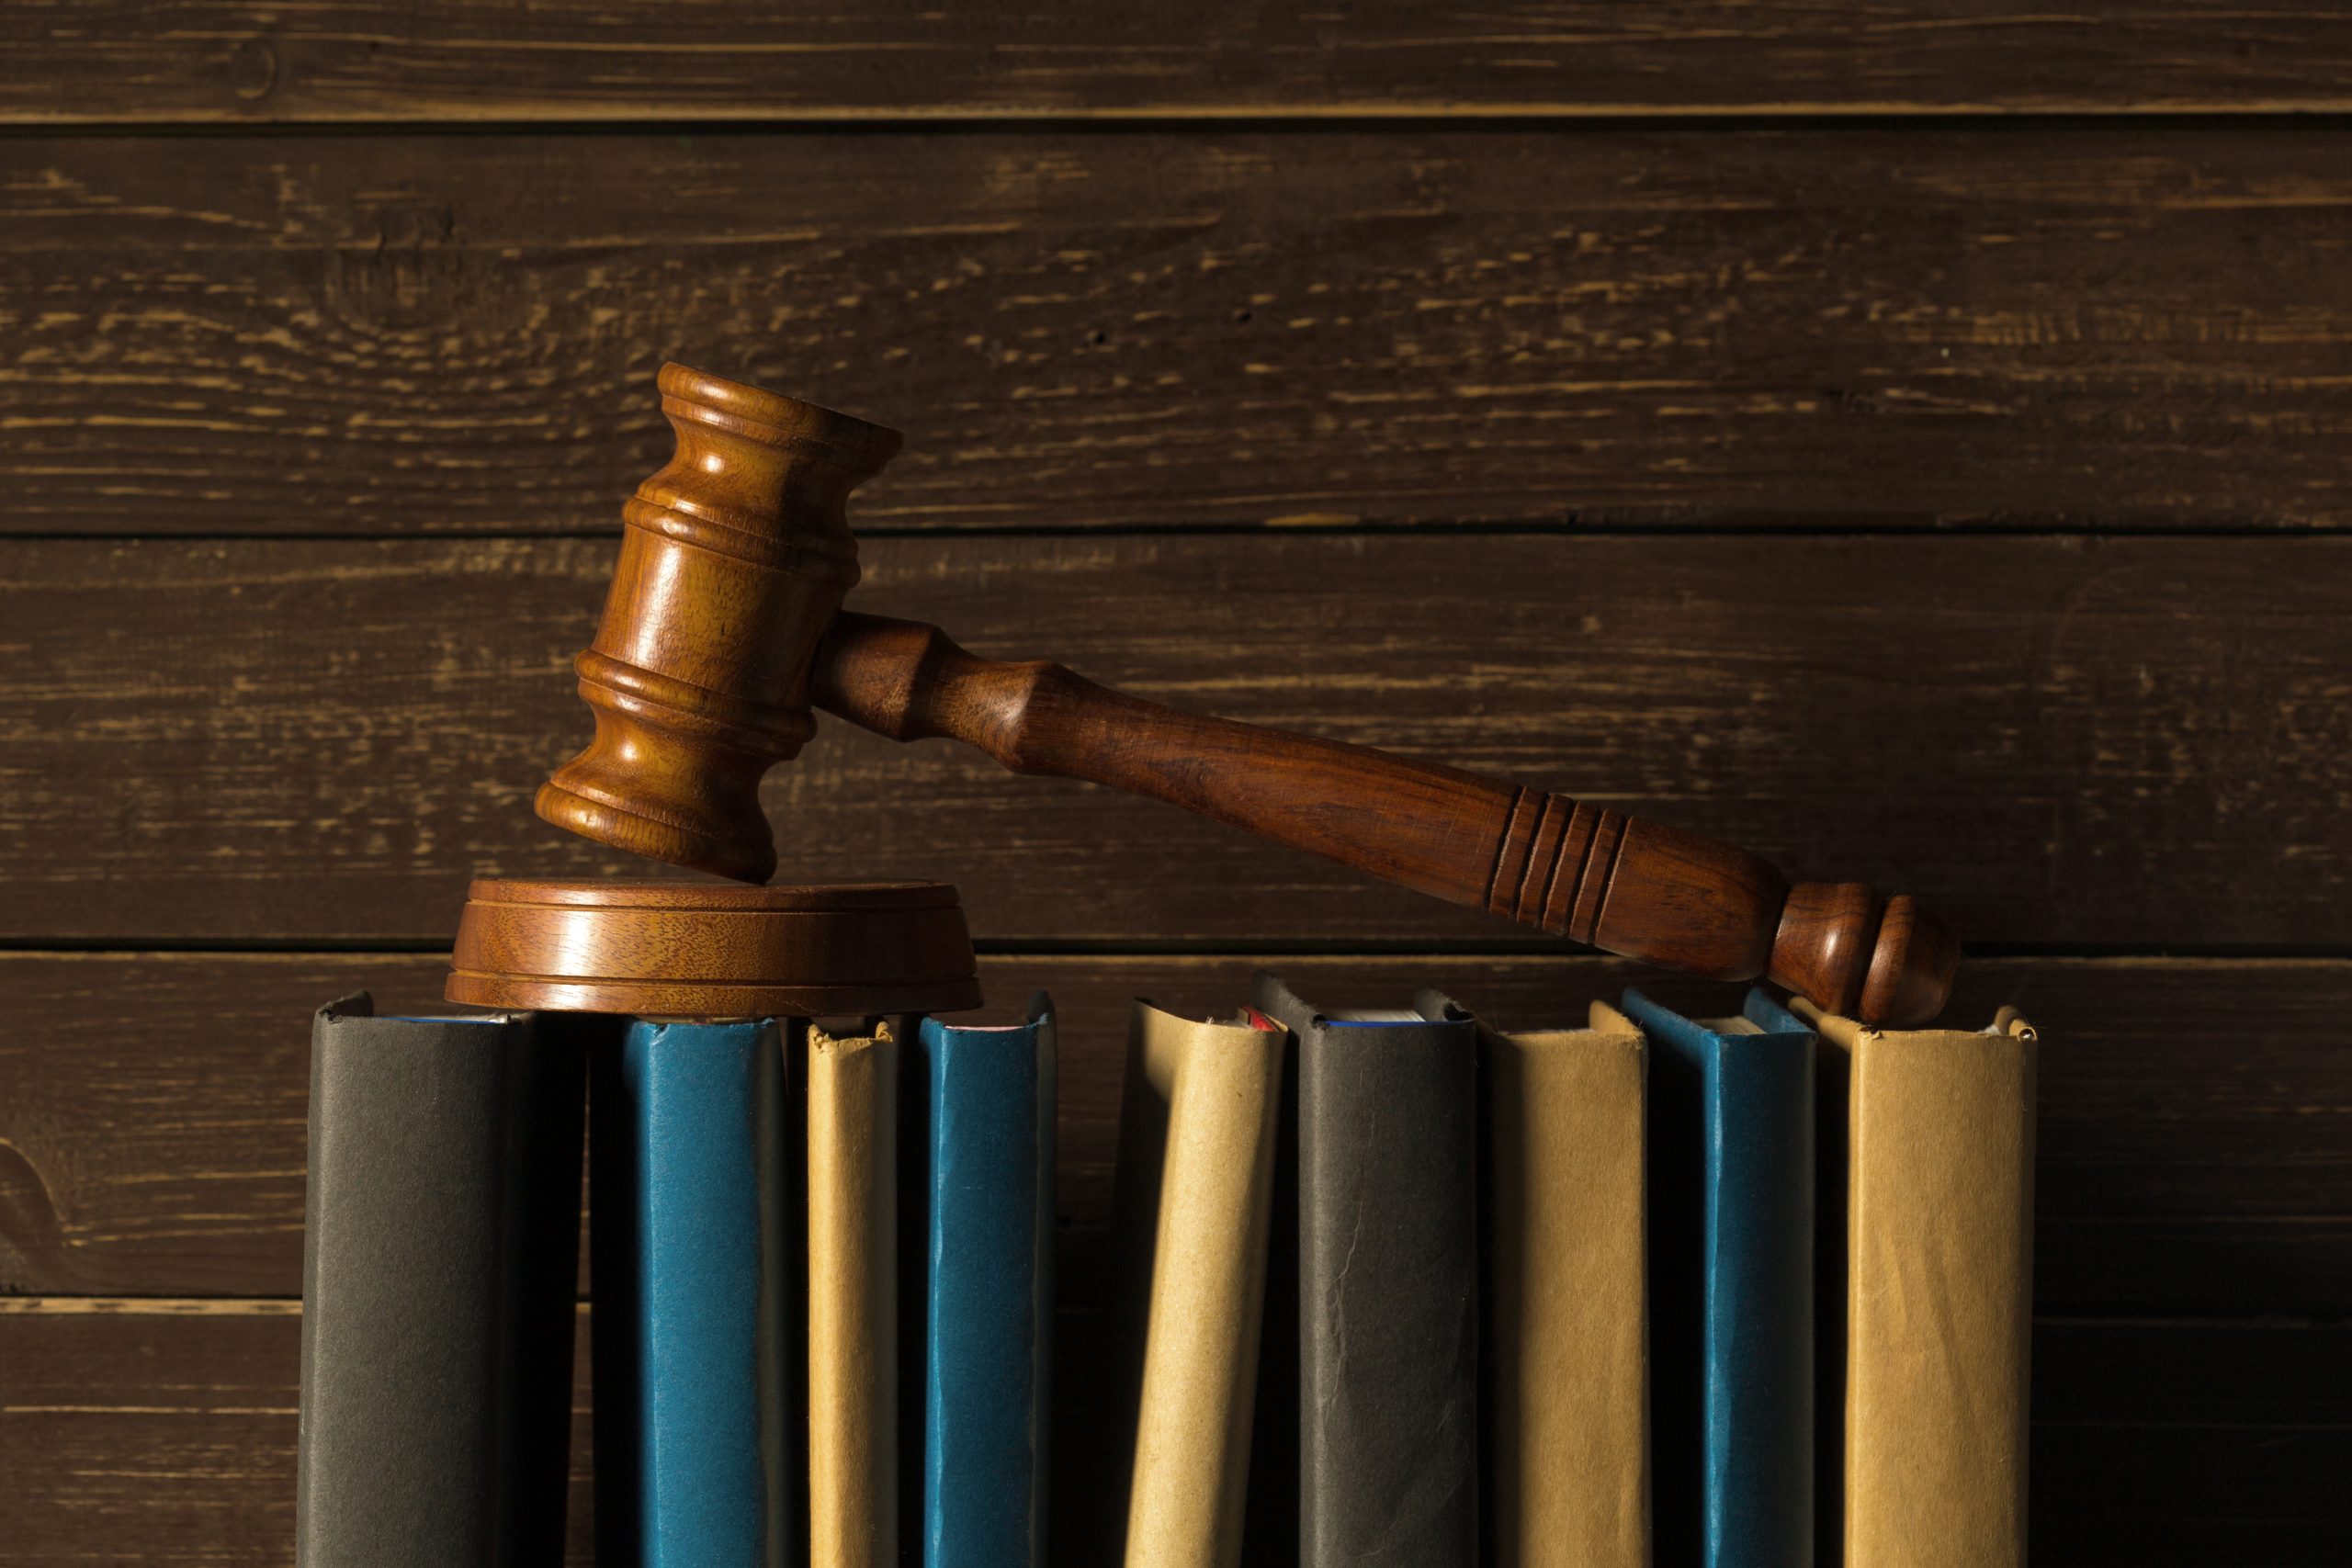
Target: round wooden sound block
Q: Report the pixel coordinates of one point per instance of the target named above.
(707, 950)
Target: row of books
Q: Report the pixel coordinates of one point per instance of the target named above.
(1388, 1287)
(1745, 1293)
(813, 1254)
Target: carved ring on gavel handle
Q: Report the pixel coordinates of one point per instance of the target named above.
(724, 624)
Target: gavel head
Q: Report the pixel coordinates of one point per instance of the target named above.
(733, 560)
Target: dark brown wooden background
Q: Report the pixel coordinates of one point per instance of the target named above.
(1908, 438)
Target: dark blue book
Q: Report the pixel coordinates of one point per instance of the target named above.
(1731, 1196)
(688, 1163)
(988, 1095)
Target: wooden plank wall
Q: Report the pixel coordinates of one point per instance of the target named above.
(1906, 438)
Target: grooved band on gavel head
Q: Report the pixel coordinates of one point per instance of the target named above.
(733, 560)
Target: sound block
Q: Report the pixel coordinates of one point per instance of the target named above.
(709, 950)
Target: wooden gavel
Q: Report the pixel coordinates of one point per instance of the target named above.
(725, 624)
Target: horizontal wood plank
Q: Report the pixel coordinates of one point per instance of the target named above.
(233, 61)
(2121, 744)
(166, 1437)
(2194, 1155)
(1851, 329)
(164, 1432)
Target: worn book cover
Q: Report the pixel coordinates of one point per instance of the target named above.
(691, 1195)
(986, 1176)
(852, 1300)
(1939, 1291)
(1564, 1398)
(440, 1249)
(1731, 1201)
(1191, 1203)
(1388, 1311)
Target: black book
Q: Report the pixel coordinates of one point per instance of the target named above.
(1388, 1282)
(440, 1261)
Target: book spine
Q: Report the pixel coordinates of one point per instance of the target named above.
(1731, 1208)
(1566, 1398)
(988, 1323)
(691, 1271)
(852, 1301)
(1940, 1299)
(439, 1267)
(1387, 1294)
(1832, 1065)
(1758, 1353)
(1195, 1177)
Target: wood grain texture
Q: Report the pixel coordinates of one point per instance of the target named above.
(732, 564)
(707, 950)
(233, 61)
(2116, 744)
(1644, 890)
(1838, 329)
(164, 1433)
(2196, 1131)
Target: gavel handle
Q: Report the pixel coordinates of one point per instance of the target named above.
(1598, 876)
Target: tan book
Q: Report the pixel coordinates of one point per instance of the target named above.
(1193, 1201)
(852, 1301)
(1565, 1402)
(1939, 1291)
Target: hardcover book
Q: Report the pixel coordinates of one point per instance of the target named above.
(852, 1300)
(1563, 1400)
(440, 1253)
(987, 1302)
(690, 1268)
(1191, 1206)
(1940, 1292)
(1730, 1202)
(1388, 1312)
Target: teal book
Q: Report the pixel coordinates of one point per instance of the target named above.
(1731, 1196)
(688, 1161)
(986, 1284)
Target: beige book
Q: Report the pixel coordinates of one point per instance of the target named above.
(1194, 1200)
(1566, 1402)
(1939, 1291)
(852, 1301)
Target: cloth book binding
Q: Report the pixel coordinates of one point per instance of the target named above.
(986, 1281)
(1388, 1265)
(440, 1258)
(696, 1466)
(1731, 1205)
(1939, 1291)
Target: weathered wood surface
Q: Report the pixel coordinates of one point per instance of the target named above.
(1836, 329)
(2195, 1125)
(2116, 744)
(232, 61)
(164, 1433)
